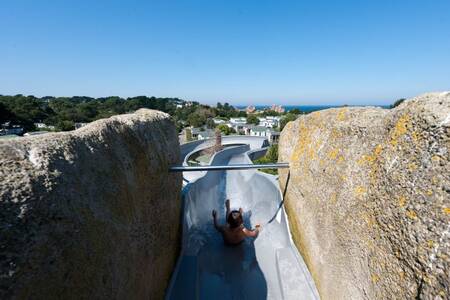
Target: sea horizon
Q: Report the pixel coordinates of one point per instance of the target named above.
(307, 108)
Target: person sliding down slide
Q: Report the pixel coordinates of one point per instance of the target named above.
(234, 232)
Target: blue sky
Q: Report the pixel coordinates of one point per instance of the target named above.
(243, 52)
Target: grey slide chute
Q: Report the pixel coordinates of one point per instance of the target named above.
(268, 267)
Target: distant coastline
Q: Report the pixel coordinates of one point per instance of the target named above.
(304, 108)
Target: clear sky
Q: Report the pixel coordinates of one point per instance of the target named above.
(243, 52)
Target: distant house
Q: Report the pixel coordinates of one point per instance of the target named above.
(40, 125)
(247, 128)
(8, 129)
(258, 131)
(79, 125)
(44, 126)
(219, 121)
(202, 133)
(250, 109)
(277, 108)
(272, 136)
(269, 121)
(237, 124)
(241, 121)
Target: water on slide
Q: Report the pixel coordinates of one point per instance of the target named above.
(267, 267)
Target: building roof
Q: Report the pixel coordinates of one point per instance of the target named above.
(259, 128)
(207, 133)
(203, 132)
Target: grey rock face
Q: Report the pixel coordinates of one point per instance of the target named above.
(368, 198)
(92, 213)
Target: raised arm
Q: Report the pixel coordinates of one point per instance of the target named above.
(217, 226)
(227, 206)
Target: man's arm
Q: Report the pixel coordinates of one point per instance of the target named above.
(217, 226)
(227, 205)
(252, 233)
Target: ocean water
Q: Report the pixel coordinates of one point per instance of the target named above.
(304, 108)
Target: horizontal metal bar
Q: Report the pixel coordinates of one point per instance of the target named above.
(228, 167)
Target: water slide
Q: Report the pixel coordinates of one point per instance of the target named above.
(267, 267)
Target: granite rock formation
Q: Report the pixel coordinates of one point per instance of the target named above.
(368, 198)
(91, 213)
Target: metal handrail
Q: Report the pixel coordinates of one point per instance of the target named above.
(228, 167)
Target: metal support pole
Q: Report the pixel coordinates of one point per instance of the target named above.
(228, 167)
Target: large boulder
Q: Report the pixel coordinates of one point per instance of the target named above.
(92, 213)
(368, 198)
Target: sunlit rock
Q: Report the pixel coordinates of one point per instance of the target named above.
(92, 213)
(368, 198)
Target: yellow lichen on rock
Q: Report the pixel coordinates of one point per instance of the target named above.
(400, 129)
(333, 198)
(411, 214)
(360, 191)
(332, 154)
(402, 201)
(412, 166)
(341, 115)
(375, 278)
(388, 171)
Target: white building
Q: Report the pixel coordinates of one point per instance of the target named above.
(258, 131)
(8, 129)
(237, 124)
(269, 121)
(240, 121)
(202, 133)
(44, 126)
(219, 121)
(79, 125)
(272, 136)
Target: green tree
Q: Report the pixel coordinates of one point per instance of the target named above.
(272, 153)
(270, 157)
(5, 114)
(397, 103)
(196, 120)
(227, 111)
(210, 123)
(269, 112)
(65, 125)
(252, 119)
(27, 110)
(225, 129)
(295, 111)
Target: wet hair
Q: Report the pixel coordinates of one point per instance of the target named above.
(235, 219)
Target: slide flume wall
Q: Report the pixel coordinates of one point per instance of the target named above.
(268, 267)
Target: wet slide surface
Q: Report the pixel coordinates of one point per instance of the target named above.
(268, 267)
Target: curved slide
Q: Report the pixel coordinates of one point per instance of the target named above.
(268, 267)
